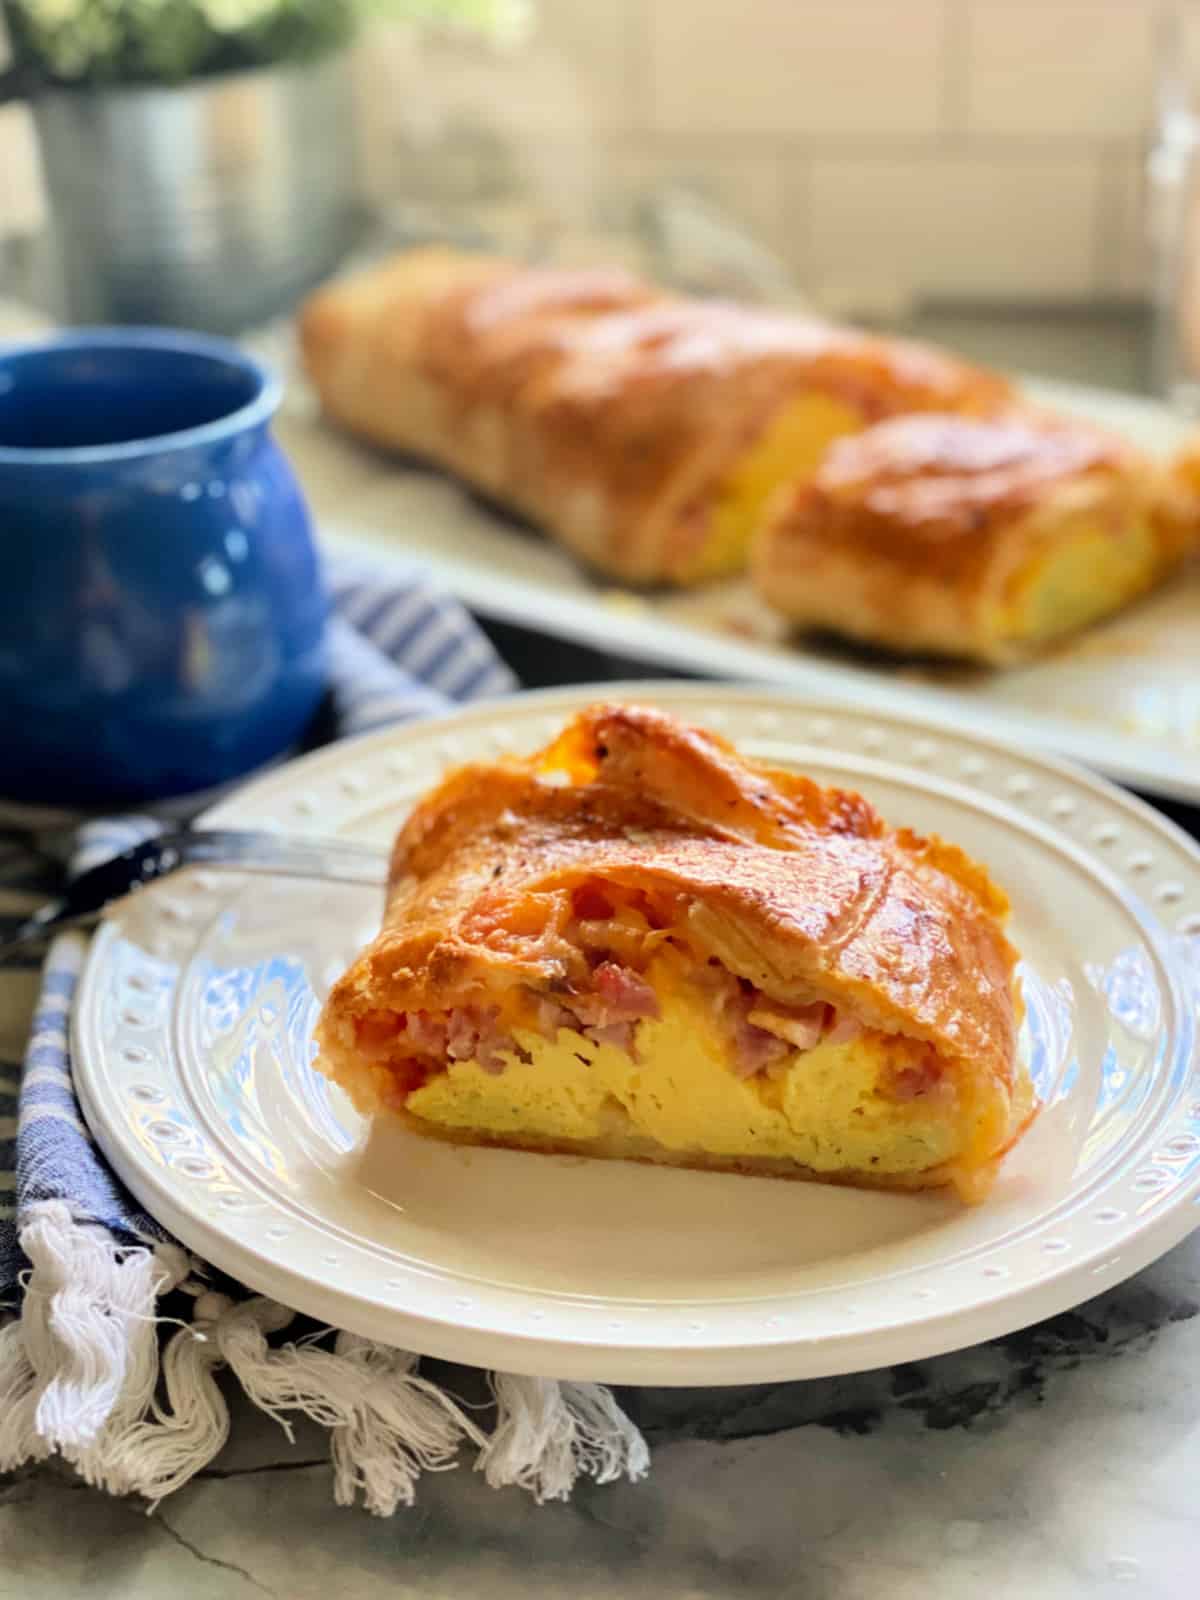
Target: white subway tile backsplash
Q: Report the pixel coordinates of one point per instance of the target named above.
(1125, 253)
(602, 44)
(957, 226)
(883, 148)
(785, 67)
(1058, 67)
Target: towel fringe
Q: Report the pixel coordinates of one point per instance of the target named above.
(547, 1433)
(403, 1426)
(167, 1447)
(88, 1326)
(609, 1446)
(19, 1438)
(80, 1372)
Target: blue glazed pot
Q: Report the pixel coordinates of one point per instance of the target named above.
(161, 604)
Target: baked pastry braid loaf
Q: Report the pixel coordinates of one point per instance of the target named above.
(646, 432)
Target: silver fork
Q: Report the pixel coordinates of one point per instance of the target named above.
(216, 849)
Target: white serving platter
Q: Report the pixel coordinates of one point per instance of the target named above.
(1123, 699)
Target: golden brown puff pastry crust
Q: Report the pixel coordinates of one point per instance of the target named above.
(361, 338)
(627, 441)
(1178, 500)
(607, 412)
(486, 346)
(930, 532)
(421, 352)
(800, 890)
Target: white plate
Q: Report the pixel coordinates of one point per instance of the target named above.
(193, 1066)
(1124, 699)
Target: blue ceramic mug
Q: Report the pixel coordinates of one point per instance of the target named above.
(161, 604)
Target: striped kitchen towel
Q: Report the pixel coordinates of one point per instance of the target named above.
(93, 1366)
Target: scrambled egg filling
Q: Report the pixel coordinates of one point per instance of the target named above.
(821, 1108)
(1087, 575)
(789, 449)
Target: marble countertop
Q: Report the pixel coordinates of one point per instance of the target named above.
(1059, 1463)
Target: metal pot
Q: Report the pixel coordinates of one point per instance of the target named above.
(211, 205)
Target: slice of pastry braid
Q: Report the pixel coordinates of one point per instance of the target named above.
(638, 945)
(981, 539)
(646, 432)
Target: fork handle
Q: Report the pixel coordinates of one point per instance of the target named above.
(218, 849)
(286, 855)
